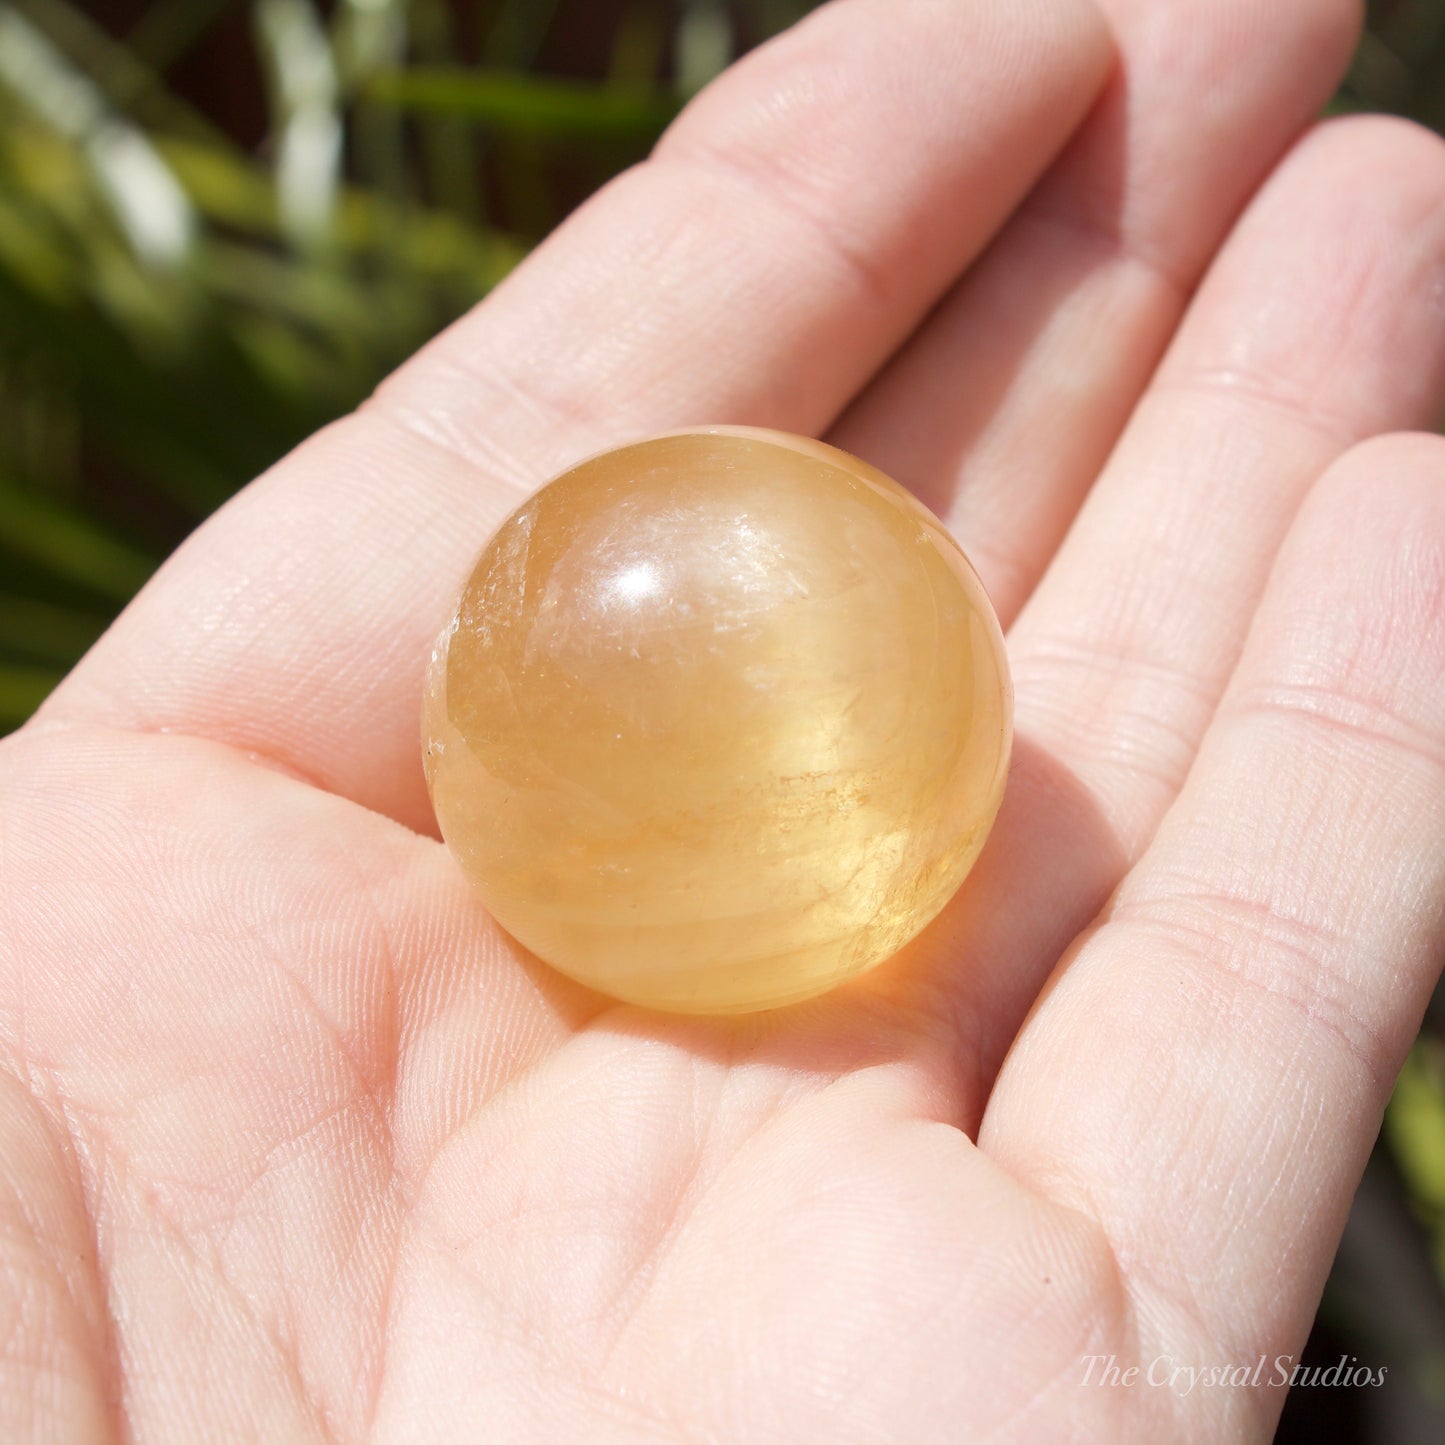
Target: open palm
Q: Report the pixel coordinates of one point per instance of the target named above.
(298, 1145)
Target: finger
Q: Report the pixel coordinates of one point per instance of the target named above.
(1314, 329)
(1001, 411)
(794, 226)
(1208, 1071)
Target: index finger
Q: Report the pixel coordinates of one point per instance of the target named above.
(795, 224)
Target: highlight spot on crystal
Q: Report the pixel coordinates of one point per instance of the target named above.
(722, 719)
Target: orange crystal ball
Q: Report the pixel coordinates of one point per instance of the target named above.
(721, 720)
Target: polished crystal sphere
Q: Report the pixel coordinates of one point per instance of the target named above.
(721, 720)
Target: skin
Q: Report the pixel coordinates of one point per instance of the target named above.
(296, 1145)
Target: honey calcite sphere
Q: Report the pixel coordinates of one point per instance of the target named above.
(722, 719)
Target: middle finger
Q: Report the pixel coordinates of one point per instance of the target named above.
(1001, 411)
(1317, 326)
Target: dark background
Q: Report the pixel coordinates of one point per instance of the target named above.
(223, 221)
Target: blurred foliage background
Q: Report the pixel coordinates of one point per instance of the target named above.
(223, 221)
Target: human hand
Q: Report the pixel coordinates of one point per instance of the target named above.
(297, 1144)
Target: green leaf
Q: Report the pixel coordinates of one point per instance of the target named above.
(527, 105)
(128, 172)
(234, 192)
(170, 28)
(517, 31)
(1415, 1125)
(70, 545)
(46, 632)
(22, 690)
(704, 43)
(305, 90)
(131, 82)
